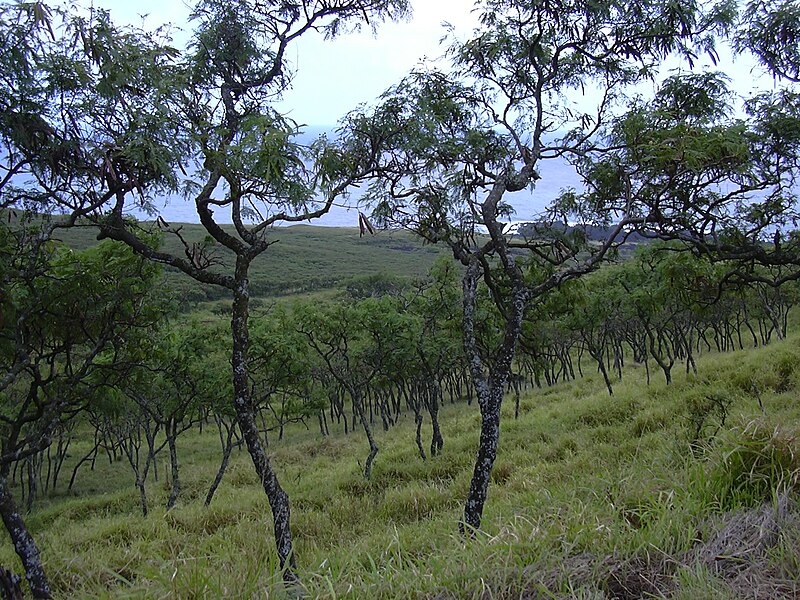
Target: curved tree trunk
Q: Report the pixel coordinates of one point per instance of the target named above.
(24, 543)
(597, 354)
(358, 408)
(437, 441)
(418, 421)
(246, 418)
(489, 390)
(226, 455)
(484, 462)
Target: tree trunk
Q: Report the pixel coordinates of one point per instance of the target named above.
(89, 456)
(172, 434)
(10, 585)
(484, 462)
(226, 455)
(418, 421)
(598, 356)
(24, 543)
(358, 408)
(140, 485)
(437, 441)
(246, 418)
(489, 391)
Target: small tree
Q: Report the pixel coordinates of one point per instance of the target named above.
(359, 344)
(67, 320)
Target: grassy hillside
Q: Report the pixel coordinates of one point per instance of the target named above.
(592, 497)
(303, 258)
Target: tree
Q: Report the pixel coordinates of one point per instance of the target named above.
(457, 144)
(67, 319)
(103, 119)
(162, 393)
(281, 367)
(438, 354)
(359, 344)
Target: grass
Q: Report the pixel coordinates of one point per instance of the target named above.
(592, 496)
(301, 259)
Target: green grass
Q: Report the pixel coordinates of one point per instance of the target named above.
(302, 259)
(587, 490)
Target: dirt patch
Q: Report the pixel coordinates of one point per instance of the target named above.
(609, 577)
(641, 578)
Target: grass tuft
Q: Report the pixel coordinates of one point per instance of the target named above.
(753, 464)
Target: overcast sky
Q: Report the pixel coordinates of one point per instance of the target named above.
(332, 77)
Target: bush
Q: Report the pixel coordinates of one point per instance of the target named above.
(375, 286)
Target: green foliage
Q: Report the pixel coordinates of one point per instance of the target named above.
(75, 326)
(772, 31)
(374, 286)
(303, 260)
(779, 376)
(100, 117)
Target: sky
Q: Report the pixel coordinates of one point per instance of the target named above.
(332, 77)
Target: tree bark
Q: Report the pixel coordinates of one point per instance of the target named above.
(358, 407)
(418, 421)
(172, 434)
(246, 418)
(437, 441)
(484, 462)
(489, 390)
(24, 543)
(226, 455)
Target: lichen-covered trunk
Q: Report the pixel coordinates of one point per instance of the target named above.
(489, 389)
(484, 462)
(246, 419)
(24, 543)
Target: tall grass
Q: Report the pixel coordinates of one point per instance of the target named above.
(589, 492)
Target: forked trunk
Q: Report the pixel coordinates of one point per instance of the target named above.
(489, 390)
(358, 407)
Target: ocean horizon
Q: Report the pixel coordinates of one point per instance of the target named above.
(556, 175)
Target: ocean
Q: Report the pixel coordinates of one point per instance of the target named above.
(556, 175)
